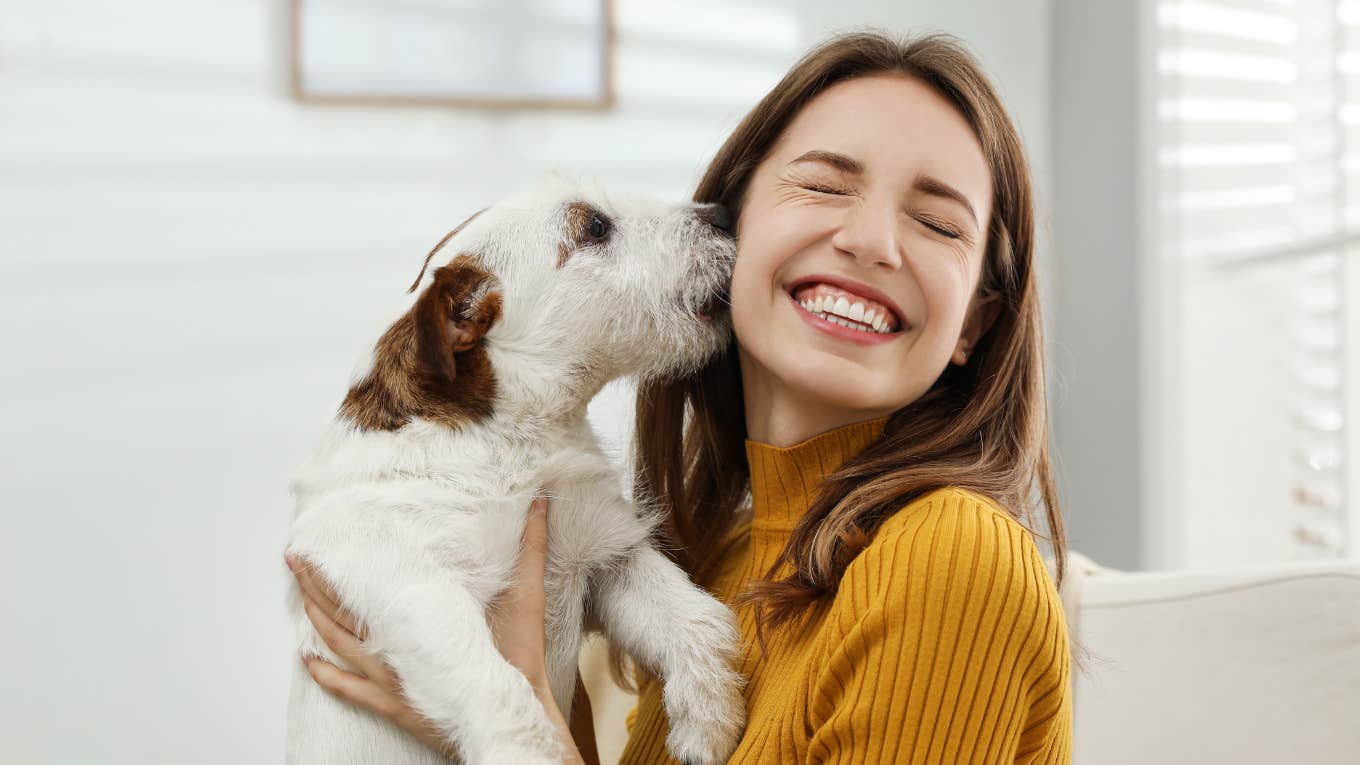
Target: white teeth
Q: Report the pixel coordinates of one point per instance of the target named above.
(839, 310)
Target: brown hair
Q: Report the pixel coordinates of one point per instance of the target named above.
(982, 426)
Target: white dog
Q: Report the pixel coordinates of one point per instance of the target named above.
(414, 505)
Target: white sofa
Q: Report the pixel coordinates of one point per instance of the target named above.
(1247, 667)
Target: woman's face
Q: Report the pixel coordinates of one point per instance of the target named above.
(874, 205)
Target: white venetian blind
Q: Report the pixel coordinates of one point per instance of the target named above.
(1255, 166)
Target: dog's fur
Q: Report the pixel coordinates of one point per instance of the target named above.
(414, 505)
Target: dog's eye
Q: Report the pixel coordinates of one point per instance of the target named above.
(598, 228)
(586, 228)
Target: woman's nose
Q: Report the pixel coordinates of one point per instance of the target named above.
(869, 232)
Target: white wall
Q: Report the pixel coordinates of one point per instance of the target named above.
(1096, 343)
(189, 263)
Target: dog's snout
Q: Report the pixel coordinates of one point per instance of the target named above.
(717, 216)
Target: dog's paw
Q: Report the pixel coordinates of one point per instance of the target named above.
(707, 732)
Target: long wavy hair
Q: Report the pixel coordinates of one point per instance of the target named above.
(982, 426)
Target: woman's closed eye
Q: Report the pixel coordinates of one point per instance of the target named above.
(939, 227)
(825, 189)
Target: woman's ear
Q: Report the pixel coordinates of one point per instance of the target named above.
(456, 311)
(982, 312)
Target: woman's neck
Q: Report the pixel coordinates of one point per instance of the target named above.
(779, 415)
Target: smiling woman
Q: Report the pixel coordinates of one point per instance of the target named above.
(882, 409)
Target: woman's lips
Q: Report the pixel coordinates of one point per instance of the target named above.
(832, 287)
(864, 337)
(831, 301)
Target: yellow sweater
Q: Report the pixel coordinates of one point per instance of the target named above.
(946, 642)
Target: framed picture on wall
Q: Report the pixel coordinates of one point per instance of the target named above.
(482, 53)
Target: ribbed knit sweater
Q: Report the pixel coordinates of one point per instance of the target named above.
(945, 642)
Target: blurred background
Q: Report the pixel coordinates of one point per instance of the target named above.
(192, 259)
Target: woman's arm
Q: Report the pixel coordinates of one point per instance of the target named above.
(518, 630)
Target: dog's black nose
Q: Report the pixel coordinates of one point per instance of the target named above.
(717, 216)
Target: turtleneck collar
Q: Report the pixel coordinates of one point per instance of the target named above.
(785, 480)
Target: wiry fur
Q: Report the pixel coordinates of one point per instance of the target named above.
(414, 513)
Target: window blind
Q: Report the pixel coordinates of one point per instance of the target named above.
(1255, 164)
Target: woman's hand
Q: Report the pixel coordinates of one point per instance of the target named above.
(375, 688)
(516, 623)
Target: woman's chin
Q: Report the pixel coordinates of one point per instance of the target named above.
(820, 378)
(842, 386)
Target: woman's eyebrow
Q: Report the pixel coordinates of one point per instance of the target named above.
(838, 161)
(926, 184)
(929, 184)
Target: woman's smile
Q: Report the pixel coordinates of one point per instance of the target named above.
(836, 326)
(846, 309)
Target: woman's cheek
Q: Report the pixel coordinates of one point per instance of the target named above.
(747, 321)
(752, 276)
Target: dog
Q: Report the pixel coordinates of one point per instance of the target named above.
(413, 506)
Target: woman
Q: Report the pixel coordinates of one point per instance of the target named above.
(883, 403)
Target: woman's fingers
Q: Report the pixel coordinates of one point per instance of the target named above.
(334, 626)
(314, 587)
(366, 694)
(377, 689)
(319, 592)
(357, 690)
(347, 646)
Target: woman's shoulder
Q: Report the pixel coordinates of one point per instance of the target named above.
(950, 569)
(951, 547)
(974, 523)
(948, 502)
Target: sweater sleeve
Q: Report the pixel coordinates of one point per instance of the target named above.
(949, 645)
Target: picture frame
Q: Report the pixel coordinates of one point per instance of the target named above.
(489, 54)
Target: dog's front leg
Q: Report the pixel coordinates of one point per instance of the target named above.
(647, 605)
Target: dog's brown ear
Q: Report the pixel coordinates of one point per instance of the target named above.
(440, 246)
(455, 312)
